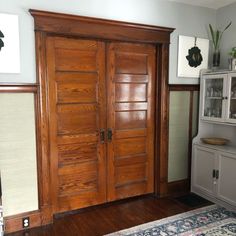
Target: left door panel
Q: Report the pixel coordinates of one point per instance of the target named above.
(77, 114)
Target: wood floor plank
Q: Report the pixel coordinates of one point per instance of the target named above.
(100, 220)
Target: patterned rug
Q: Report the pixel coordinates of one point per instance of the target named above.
(207, 221)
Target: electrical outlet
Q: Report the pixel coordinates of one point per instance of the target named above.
(25, 222)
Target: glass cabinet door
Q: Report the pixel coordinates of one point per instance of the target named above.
(213, 98)
(232, 100)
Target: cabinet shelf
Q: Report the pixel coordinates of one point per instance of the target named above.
(219, 98)
(225, 148)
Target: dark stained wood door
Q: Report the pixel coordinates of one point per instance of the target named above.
(77, 113)
(131, 73)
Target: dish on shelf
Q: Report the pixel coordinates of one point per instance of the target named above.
(215, 141)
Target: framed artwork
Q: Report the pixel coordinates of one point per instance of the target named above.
(9, 44)
(192, 56)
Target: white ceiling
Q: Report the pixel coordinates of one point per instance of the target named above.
(215, 4)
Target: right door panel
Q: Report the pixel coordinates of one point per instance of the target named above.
(227, 175)
(131, 74)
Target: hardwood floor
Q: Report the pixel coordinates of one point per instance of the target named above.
(109, 218)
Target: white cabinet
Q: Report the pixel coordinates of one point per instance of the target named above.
(214, 173)
(218, 97)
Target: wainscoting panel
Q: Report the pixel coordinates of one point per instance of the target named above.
(18, 153)
(178, 135)
(183, 115)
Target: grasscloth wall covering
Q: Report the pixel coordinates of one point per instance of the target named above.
(178, 135)
(18, 153)
(183, 116)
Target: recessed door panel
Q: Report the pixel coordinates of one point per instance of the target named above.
(130, 146)
(130, 62)
(131, 173)
(72, 154)
(227, 175)
(204, 164)
(131, 92)
(130, 119)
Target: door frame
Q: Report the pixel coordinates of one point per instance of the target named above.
(48, 24)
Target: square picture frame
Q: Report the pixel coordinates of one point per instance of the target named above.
(190, 60)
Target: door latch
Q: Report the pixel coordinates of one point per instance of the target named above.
(102, 135)
(109, 134)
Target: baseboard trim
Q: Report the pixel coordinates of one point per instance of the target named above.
(14, 223)
(102, 205)
(178, 187)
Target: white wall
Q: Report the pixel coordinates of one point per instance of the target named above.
(188, 20)
(225, 15)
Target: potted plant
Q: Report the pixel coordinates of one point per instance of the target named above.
(232, 60)
(216, 36)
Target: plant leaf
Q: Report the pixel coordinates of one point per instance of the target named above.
(212, 35)
(230, 23)
(217, 40)
(216, 35)
(225, 30)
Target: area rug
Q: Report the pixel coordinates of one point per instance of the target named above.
(208, 221)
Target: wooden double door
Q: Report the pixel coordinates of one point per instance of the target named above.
(101, 120)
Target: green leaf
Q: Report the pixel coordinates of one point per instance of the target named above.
(230, 23)
(217, 40)
(212, 34)
(216, 35)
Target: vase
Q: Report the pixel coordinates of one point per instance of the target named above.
(216, 59)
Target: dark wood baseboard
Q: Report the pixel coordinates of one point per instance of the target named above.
(178, 187)
(184, 87)
(14, 223)
(105, 205)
